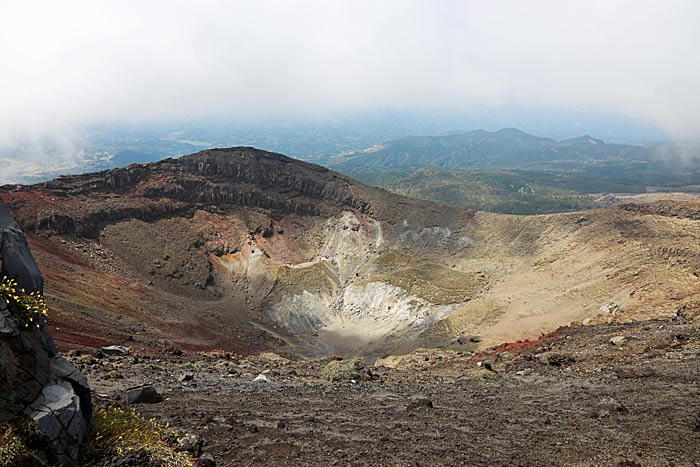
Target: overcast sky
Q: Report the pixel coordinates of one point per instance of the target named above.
(68, 63)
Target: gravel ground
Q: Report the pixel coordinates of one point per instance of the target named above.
(572, 398)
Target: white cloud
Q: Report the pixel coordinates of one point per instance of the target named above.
(71, 63)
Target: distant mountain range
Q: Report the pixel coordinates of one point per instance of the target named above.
(514, 172)
(507, 148)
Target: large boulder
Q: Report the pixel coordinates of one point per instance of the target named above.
(36, 381)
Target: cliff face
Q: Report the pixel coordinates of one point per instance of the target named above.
(36, 380)
(82, 204)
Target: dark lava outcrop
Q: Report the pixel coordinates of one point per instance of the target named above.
(36, 380)
(212, 180)
(82, 204)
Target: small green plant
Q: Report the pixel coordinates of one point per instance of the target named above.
(124, 434)
(17, 438)
(28, 308)
(12, 449)
(346, 369)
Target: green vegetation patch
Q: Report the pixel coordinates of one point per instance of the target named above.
(316, 277)
(27, 308)
(125, 434)
(18, 438)
(506, 191)
(520, 191)
(434, 283)
(346, 369)
(397, 258)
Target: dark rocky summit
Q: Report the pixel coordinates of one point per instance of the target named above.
(175, 187)
(36, 380)
(215, 180)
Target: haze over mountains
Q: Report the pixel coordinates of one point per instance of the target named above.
(506, 148)
(514, 172)
(507, 170)
(75, 150)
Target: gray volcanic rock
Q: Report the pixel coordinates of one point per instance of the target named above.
(36, 381)
(15, 259)
(145, 394)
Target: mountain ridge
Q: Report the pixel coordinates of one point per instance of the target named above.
(232, 176)
(505, 148)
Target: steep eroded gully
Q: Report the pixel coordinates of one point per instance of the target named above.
(336, 301)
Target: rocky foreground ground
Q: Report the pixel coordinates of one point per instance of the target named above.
(604, 395)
